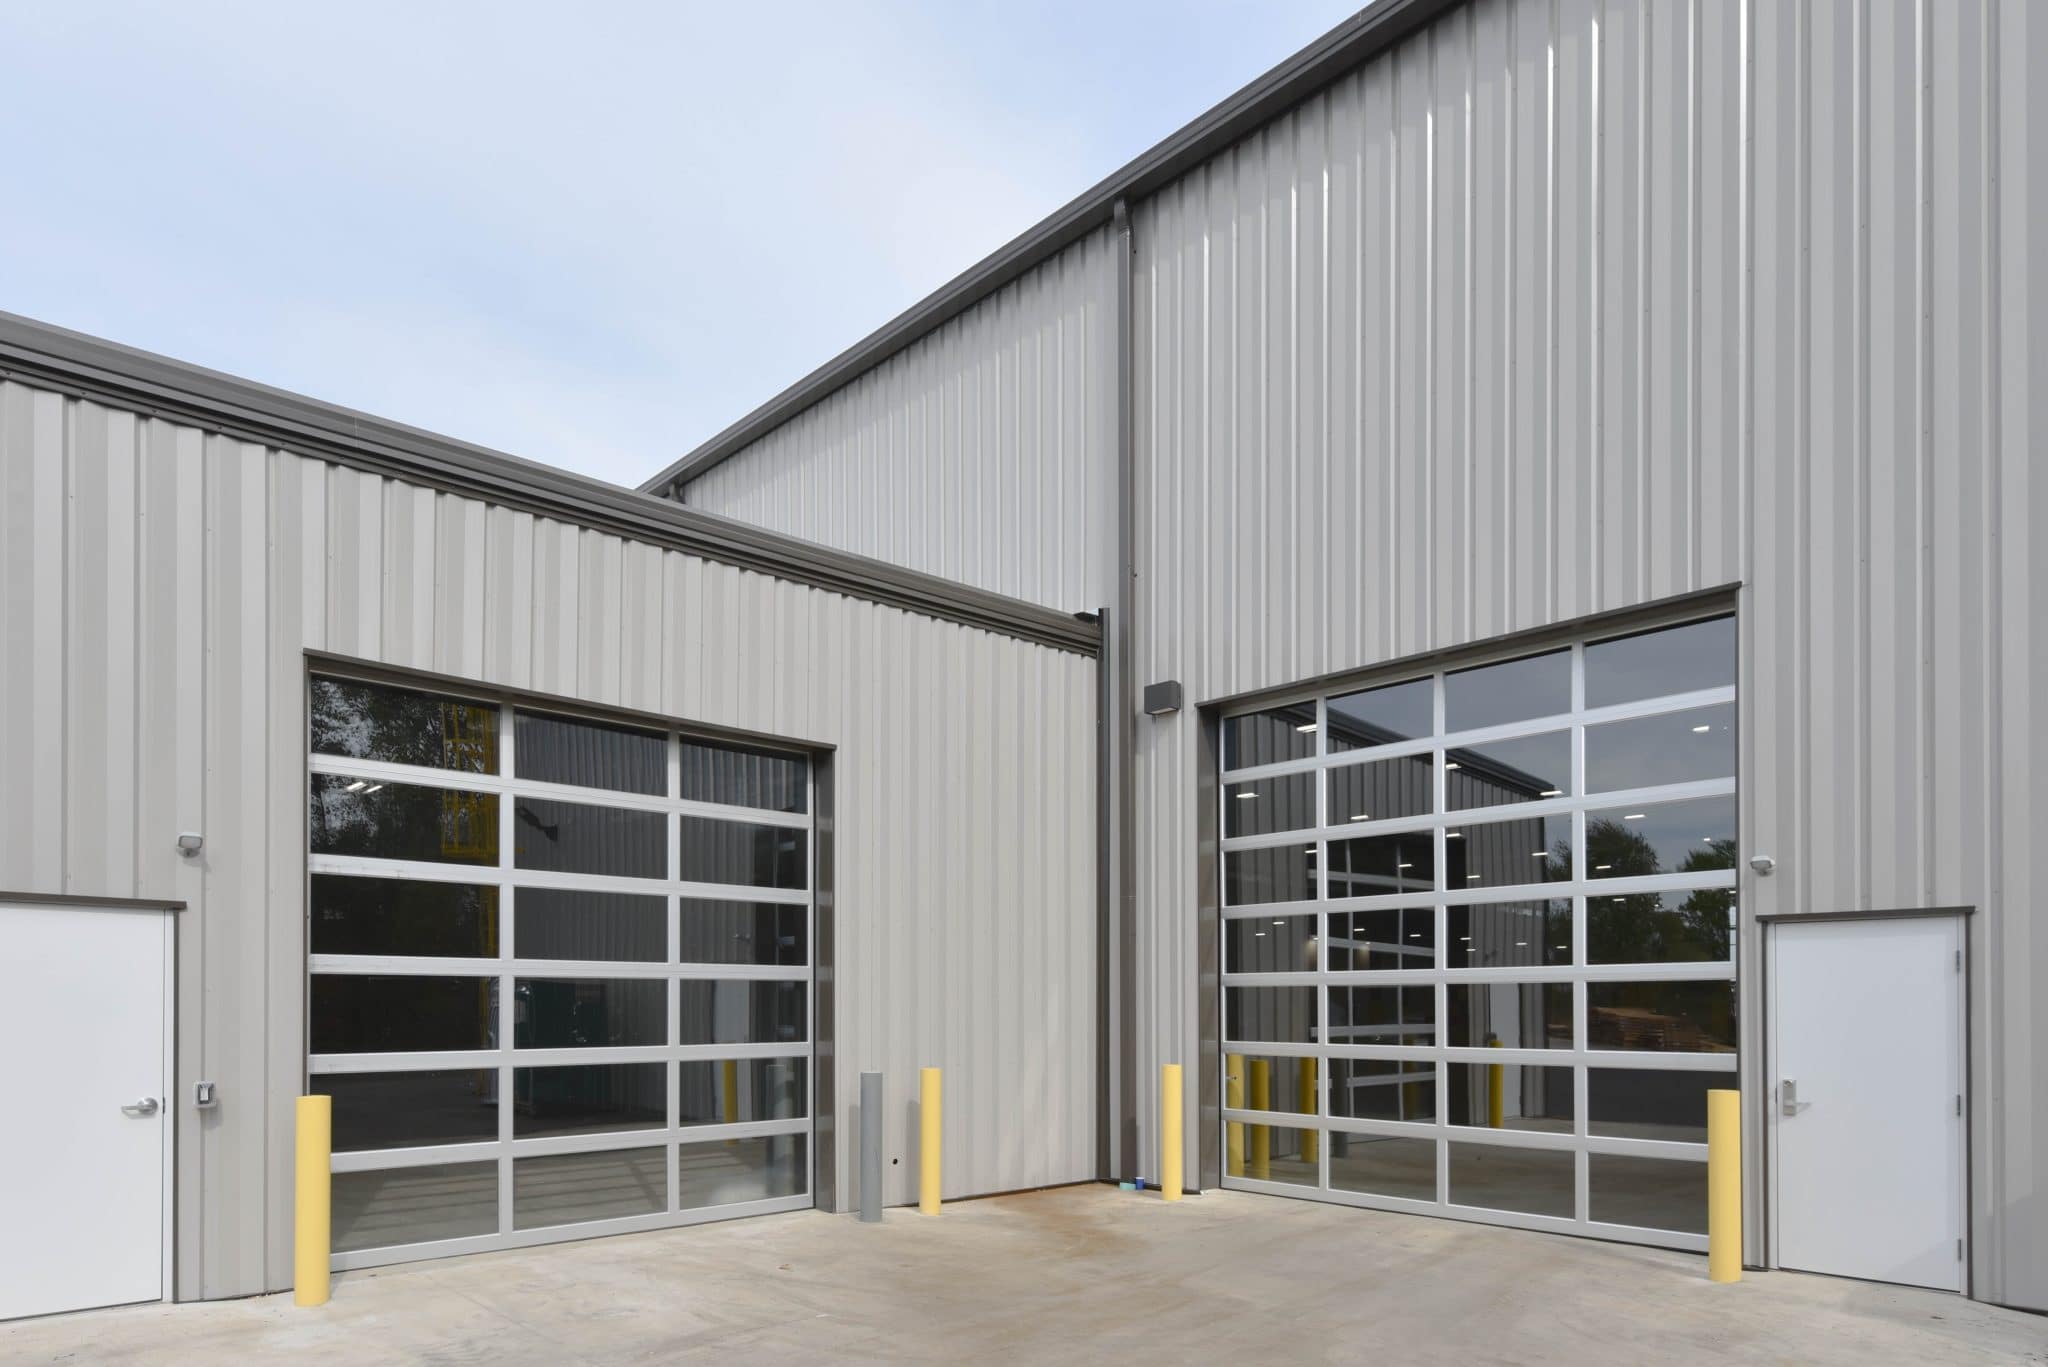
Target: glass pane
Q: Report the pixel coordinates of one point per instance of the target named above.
(1662, 927)
(1672, 747)
(1515, 690)
(1262, 944)
(1498, 854)
(1686, 1018)
(1532, 1181)
(1652, 664)
(744, 933)
(407, 1110)
(1650, 1103)
(1383, 790)
(1381, 1166)
(1256, 1083)
(413, 1205)
(727, 1012)
(1270, 737)
(723, 1091)
(1383, 1089)
(590, 1013)
(740, 776)
(381, 1013)
(1381, 716)
(1649, 1193)
(564, 923)
(1375, 865)
(1662, 837)
(401, 726)
(1397, 937)
(1281, 1015)
(725, 1172)
(1509, 934)
(392, 916)
(1282, 873)
(590, 754)
(1266, 805)
(1273, 1153)
(1500, 772)
(735, 852)
(1383, 1015)
(569, 837)
(566, 1188)
(401, 821)
(1516, 1015)
(587, 1098)
(1530, 1098)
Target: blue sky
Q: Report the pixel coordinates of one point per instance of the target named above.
(592, 241)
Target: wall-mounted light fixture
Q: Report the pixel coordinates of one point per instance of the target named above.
(190, 843)
(1162, 699)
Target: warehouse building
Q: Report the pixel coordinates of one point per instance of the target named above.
(1477, 592)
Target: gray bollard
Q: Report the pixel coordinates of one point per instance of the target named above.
(871, 1148)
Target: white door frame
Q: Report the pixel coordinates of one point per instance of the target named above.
(1767, 1089)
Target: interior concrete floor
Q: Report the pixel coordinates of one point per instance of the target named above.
(1074, 1274)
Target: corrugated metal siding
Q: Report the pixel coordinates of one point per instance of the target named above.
(1565, 307)
(158, 587)
(984, 453)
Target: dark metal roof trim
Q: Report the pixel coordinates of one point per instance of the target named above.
(1344, 48)
(83, 902)
(49, 357)
(1793, 918)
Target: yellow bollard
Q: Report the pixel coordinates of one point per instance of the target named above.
(1262, 1135)
(1169, 1131)
(1307, 1098)
(730, 1069)
(1724, 1186)
(1233, 1097)
(312, 1223)
(928, 1155)
(1496, 1089)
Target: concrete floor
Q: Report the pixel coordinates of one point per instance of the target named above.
(1076, 1274)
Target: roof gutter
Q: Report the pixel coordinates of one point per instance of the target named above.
(1350, 45)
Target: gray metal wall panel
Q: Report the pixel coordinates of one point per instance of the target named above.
(160, 589)
(984, 452)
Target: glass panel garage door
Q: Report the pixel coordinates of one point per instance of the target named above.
(560, 977)
(1479, 938)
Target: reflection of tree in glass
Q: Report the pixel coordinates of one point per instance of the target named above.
(1638, 929)
(1619, 851)
(398, 726)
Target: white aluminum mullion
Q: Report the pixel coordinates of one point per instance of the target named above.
(692, 1053)
(1657, 706)
(504, 783)
(413, 966)
(554, 1234)
(384, 1160)
(413, 1061)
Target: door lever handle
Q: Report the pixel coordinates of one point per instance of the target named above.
(146, 1106)
(1788, 1097)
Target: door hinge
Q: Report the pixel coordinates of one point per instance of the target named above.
(1959, 961)
(1959, 1250)
(1959, 1103)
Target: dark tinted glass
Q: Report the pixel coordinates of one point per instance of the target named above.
(401, 726)
(737, 852)
(1649, 1193)
(1671, 747)
(590, 1013)
(1382, 1015)
(725, 1172)
(401, 821)
(743, 933)
(1255, 1083)
(1661, 837)
(1281, 1015)
(1509, 934)
(393, 916)
(569, 837)
(568, 1188)
(1269, 944)
(1515, 690)
(560, 923)
(1287, 803)
(1396, 937)
(719, 1011)
(1531, 1098)
(1655, 663)
(1516, 1015)
(1382, 1089)
(1525, 769)
(740, 776)
(1270, 737)
(589, 1098)
(1532, 1181)
(1375, 865)
(1661, 1017)
(590, 754)
(1382, 790)
(1381, 1166)
(379, 1013)
(408, 1110)
(1500, 854)
(1282, 873)
(413, 1205)
(1645, 1103)
(1661, 927)
(1381, 716)
(724, 1091)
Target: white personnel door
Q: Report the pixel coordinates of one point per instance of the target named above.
(82, 1068)
(1866, 1102)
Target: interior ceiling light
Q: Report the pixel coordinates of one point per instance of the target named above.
(1701, 730)
(1453, 765)
(1244, 797)
(1602, 868)
(1454, 835)
(1363, 816)
(1306, 726)
(357, 786)
(1553, 792)
(1633, 816)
